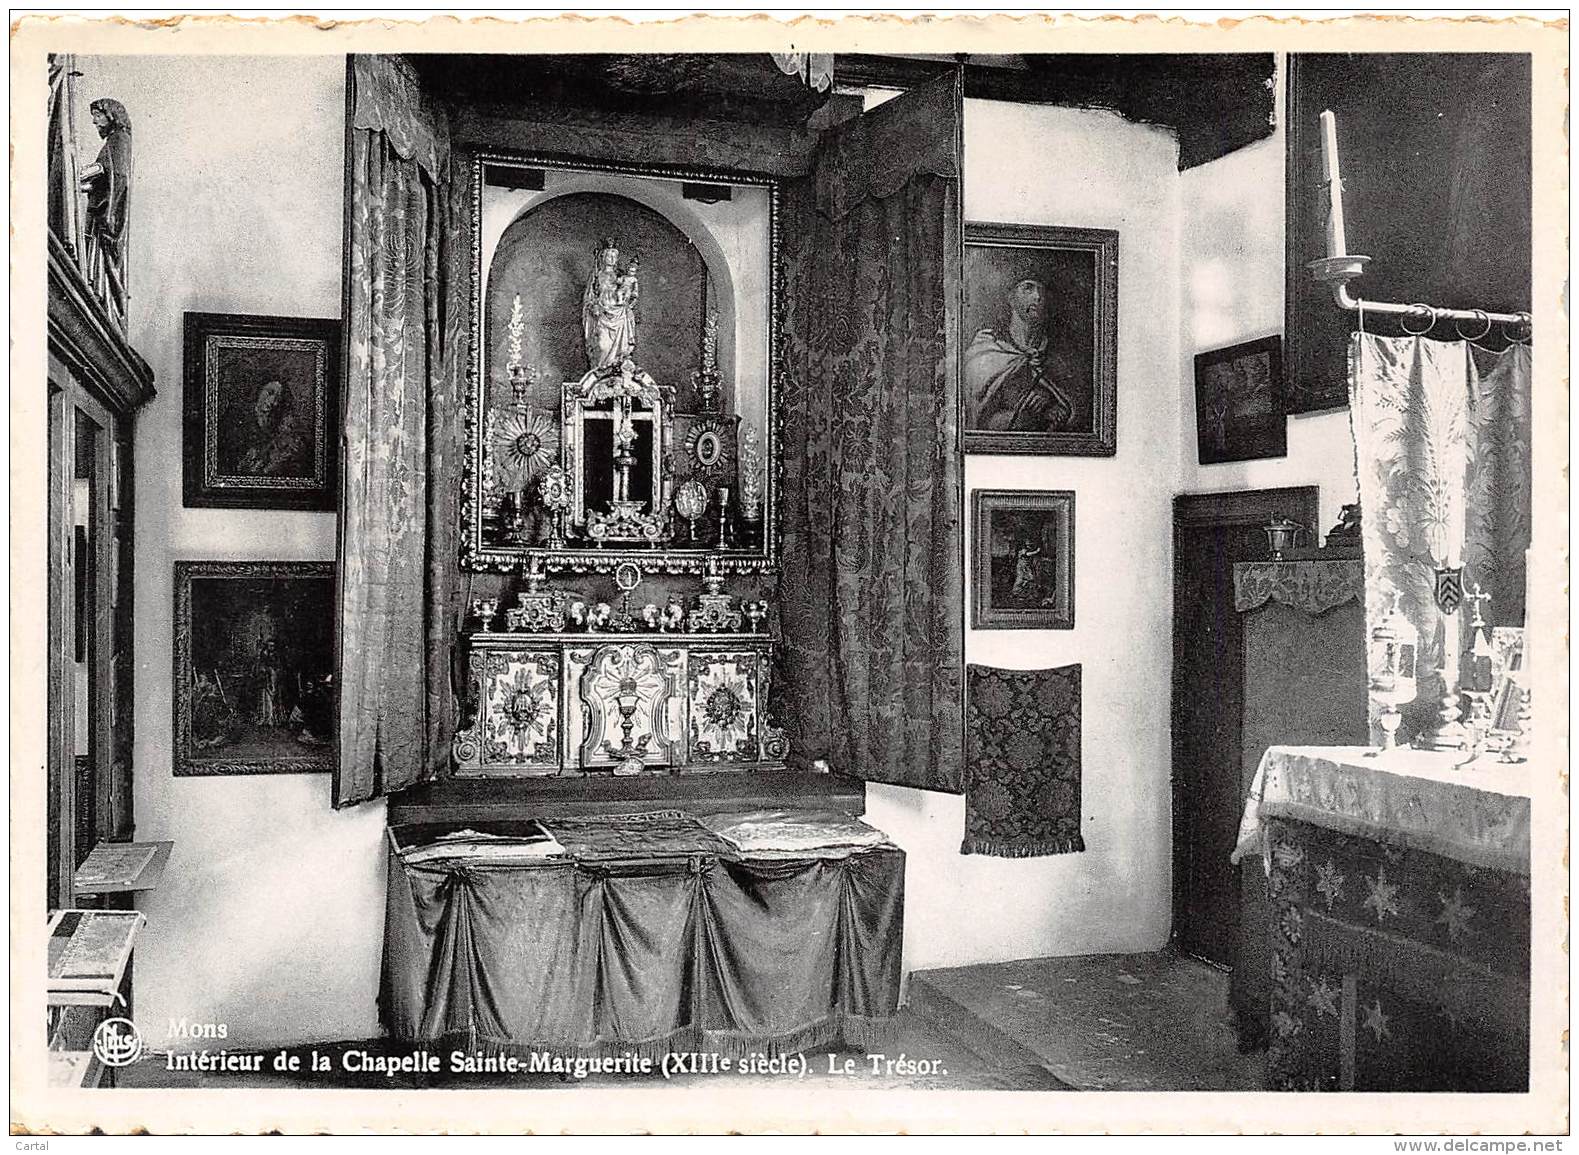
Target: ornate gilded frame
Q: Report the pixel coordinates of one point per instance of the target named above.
(478, 555)
(308, 760)
(206, 482)
(1101, 246)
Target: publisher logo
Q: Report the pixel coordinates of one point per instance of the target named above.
(117, 1043)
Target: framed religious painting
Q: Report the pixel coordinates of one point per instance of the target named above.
(254, 667)
(1239, 402)
(1039, 340)
(261, 410)
(1022, 559)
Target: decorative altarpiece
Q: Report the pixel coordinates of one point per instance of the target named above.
(622, 421)
(570, 703)
(692, 483)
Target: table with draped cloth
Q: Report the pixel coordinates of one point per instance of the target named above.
(767, 931)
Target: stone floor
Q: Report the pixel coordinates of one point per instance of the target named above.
(1147, 1022)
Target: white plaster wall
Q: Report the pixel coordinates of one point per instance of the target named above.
(238, 207)
(1055, 166)
(1231, 260)
(270, 917)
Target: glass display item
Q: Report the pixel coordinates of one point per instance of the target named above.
(1283, 534)
(1391, 660)
(690, 502)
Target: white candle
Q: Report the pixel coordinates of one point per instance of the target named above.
(1337, 243)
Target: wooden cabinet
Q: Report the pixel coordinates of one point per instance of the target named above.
(605, 703)
(1304, 684)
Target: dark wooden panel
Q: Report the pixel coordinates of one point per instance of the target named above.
(1216, 102)
(504, 799)
(1434, 149)
(747, 87)
(1304, 685)
(694, 141)
(1211, 533)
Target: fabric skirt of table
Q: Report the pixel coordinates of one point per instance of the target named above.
(645, 957)
(1394, 969)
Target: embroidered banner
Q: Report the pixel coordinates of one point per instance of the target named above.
(1022, 762)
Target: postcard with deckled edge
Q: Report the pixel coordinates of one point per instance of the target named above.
(625, 785)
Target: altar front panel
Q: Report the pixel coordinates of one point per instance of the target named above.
(643, 940)
(1399, 944)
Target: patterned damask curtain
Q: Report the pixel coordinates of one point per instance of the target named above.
(871, 586)
(406, 335)
(1442, 450)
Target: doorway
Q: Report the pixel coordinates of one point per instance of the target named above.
(1212, 531)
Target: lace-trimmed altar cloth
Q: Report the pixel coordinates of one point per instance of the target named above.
(1478, 814)
(1313, 587)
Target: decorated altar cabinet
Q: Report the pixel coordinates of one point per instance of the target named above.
(590, 450)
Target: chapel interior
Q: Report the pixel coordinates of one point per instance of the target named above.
(665, 676)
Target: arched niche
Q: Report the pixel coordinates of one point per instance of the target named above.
(544, 254)
(707, 243)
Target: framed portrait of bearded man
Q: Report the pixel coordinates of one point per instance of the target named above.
(1039, 340)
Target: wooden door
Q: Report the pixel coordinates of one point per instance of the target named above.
(90, 630)
(1210, 533)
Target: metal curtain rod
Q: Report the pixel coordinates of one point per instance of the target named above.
(1339, 266)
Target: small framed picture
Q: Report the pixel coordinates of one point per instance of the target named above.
(1039, 340)
(1239, 402)
(254, 667)
(261, 406)
(1023, 559)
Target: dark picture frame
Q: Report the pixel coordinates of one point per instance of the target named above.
(254, 662)
(261, 407)
(1039, 340)
(1239, 402)
(1022, 559)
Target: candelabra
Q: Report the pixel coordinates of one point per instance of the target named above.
(1393, 645)
(1449, 732)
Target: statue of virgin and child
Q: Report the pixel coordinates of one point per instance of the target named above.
(608, 308)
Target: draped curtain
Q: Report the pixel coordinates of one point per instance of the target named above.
(871, 583)
(406, 335)
(1442, 451)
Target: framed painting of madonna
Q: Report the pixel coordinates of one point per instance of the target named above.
(1039, 340)
(622, 404)
(261, 401)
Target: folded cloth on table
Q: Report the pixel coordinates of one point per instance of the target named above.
(660, 834)
(795, 832)
(490, 847)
